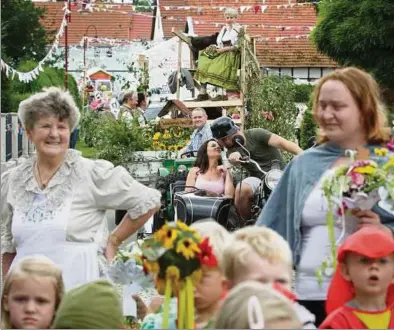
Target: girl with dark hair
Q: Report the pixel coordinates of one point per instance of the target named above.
(208, 172)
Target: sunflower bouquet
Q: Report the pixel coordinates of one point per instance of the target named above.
(358, 185)
(175, 257)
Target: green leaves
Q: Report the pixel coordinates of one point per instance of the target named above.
(272, 105)
(358, 33)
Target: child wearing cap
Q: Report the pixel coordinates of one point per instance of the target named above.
(361, 294)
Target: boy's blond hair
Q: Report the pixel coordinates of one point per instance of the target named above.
(217, 234)
(32, 267)
(274, 307)
(267, 243)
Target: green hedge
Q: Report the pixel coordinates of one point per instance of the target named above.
(49, 77)
(303, 93)
(308, 128)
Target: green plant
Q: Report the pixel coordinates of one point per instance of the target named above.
(302, 93)
(89, 125)
(118, 139)
(272, 106)
(308, 128)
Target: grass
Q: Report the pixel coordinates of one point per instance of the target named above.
(87, 152)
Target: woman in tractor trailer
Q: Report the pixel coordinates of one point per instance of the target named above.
(218, 63)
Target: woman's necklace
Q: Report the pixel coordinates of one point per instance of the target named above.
(42, 184)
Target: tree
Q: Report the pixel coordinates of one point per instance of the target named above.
(22, 38)
(271, 105)
(359, 33)
(25, 37)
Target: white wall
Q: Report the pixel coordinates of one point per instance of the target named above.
(301, 75)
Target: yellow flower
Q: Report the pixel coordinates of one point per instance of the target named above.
(167, 235)
(173, 273)
(151, 266)
(381, 151)
(166, 135)
(365, 170)
(156, 136)
(187, 247)
(184, 227)
(196, 276)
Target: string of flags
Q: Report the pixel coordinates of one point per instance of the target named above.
(252, 6)
(26, 77)
(277, 39)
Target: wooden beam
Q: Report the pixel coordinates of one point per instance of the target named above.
(212, 104)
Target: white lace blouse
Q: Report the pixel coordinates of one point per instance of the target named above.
(94, 186)
(228, 33)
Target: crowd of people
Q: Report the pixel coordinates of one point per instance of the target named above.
(56, 246)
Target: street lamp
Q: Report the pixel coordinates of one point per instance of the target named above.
(68, 18)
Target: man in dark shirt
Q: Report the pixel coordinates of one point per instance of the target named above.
(264, 149)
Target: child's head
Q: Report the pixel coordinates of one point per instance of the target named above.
(33, 289)
(258, 254)
(366, 268)
(251, 301)
(212, 285)
(94, 305)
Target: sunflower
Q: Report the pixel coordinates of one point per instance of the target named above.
(166, 235)
(187, 247)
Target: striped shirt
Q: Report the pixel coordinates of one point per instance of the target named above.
(199, 137)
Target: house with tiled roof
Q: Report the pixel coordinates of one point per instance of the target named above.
(281, 29)
(116, 34)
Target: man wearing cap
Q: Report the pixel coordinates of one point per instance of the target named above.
(264, 148)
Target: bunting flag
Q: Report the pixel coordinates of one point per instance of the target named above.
(26, 77)
(252, 6)
(277, 39)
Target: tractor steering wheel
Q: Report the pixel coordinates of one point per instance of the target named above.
(188, 154)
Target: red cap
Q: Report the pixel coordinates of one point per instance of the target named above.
(370, 242)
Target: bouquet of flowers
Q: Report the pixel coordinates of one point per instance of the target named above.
(126, 270)
(358, 185)
(175, 256)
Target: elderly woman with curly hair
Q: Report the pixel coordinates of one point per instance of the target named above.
(54, 203)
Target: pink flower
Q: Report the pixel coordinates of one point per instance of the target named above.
(390, 144)
(357, 178)
(345, 208)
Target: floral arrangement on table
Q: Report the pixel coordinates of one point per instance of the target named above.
(175, 257)
(171, 139)
(359, 185)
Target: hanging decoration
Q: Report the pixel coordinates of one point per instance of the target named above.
(26, 77)
(176, 257)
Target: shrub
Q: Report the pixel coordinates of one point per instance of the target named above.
(308, 128)
(303, 93)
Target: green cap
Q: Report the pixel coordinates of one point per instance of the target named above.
(94, 305)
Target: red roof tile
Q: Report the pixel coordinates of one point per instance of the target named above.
(113, 25)
(289, 52)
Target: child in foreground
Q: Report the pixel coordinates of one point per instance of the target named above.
(260, 254)
(33, 289)
(361, 294)
(253, 305)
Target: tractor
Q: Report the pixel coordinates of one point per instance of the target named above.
(172, 178)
